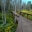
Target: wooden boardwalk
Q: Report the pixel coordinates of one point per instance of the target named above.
(24, 25)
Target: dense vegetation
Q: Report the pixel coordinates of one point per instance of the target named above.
(9, 26)
(25, 13)
(7, 6)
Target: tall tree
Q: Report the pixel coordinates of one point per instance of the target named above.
(28, 5)
(20, 6)
(31, 6)
(0, 5)
(6, 8)
(24, 5)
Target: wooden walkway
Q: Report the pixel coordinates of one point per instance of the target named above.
(24, 25)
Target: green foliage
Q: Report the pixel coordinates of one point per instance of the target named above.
(25, 12)
(9, 26)
(30, 17)
(1, 21)
(13, 29)
(0, 16)
(31, 6)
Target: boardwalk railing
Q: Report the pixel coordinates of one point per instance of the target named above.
(18, 18)
(15, 14)
(22, 13)
(24, 24)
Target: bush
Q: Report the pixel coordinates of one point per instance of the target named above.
(0, 16)
(13, 29)
(9, 26)
(7, 19)
(1, 22)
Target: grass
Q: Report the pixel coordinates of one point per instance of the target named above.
(28, 12)
(10, 26)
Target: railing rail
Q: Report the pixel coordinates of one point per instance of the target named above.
(26, 14)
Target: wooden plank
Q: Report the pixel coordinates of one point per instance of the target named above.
(16, 14)
(24, 25)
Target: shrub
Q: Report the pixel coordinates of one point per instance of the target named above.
(0, 16)
(1, 21)
(9, 25)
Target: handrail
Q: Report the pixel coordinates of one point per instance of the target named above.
(26, 13)
(16, 14)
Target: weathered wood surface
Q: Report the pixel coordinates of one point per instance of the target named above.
(24, 25)
(16, 14)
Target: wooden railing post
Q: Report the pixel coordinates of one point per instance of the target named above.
(27, 16)
(21, 13)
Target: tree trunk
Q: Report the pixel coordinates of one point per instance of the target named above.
(4, 14)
